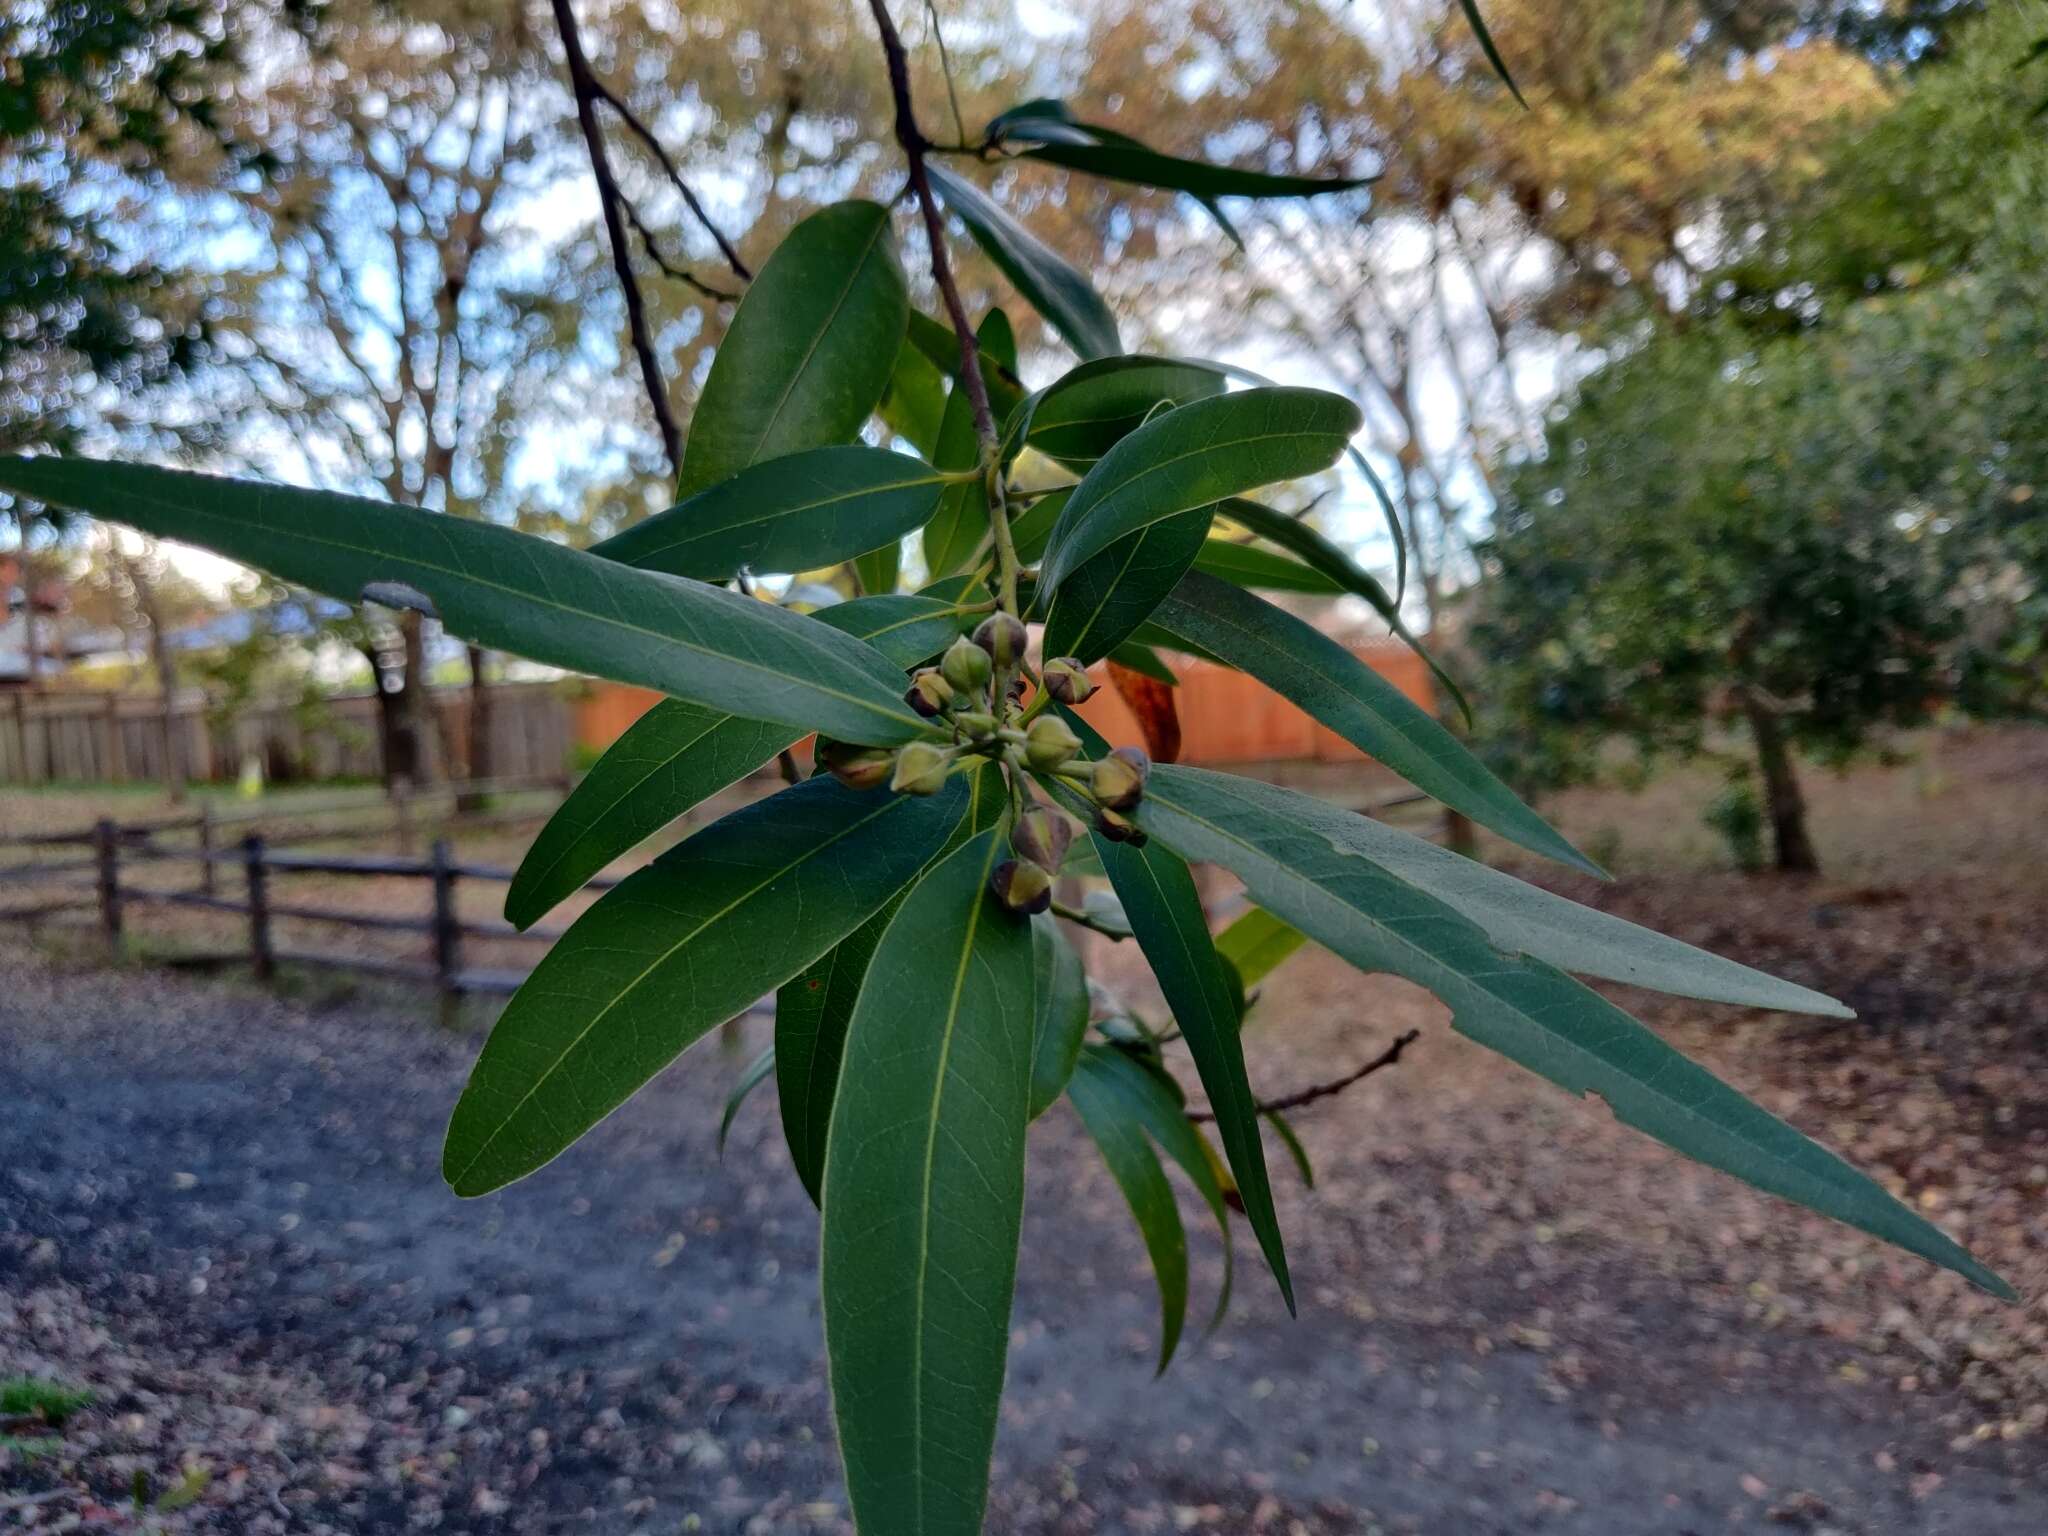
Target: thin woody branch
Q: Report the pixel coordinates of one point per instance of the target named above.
(645, 135)
(1331, 1089)
(670, 269)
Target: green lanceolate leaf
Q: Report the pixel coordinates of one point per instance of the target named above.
(959, 520)
(1247, 565)
(1106, 601)
(677, 755)
(941, 348)
(1156, 1105)
(814, 1008)
(1478, 25)
(789, 514)
(1295, 1149)
(915, 401)
(1165, 914)
(1520, 918)
(1045, 279)
(681, 946)
(1193, 457)
(1082, 415)
(810, 349)
(1301, 663)
(1527, 1010)
(1060, 1018)
(508, 591)
(756, 1074)
(1321, 555)
(1031, 525)
(1128, 1154)
(923, 1200)
(1256, 944)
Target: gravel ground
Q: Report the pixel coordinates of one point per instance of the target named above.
(221, 1211)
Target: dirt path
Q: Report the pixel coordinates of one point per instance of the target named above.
(224, 1212)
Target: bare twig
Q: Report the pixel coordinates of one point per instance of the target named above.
(670, 269)
(645, 134)
(588, 92)
(914, 143)
(1330, 1089)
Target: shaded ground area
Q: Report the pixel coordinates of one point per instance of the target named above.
(222, 1212)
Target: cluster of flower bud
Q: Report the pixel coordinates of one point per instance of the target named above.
(1039, 839)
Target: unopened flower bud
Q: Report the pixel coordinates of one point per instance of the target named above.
(1004, 637)
(975, 724)
(1021, 885)
(1119, 828)
(1067, 680)
(920, 770)
(1118, 780)
(1049, 743)
(929, 693)
(1042, 836)
(965, 665)
(855, 767)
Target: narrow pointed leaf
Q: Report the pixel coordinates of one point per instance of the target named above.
(677, 755)
(1295, 1149)
(1517, 1005)
(1108, 598)
(1301, 663)
(959, 520)
(923, 1201)
(1518, 917)
(794, 513)
(1128, 1154)
(1247, 565)
(1031, 526)
(1060, 1019)
(915, 401)
(1082, 415)
(1257, 943)
(1047, 281)
(1478, 25)
(1194, 456)
(690, 941)
(810, 349)
(757, 1072)
(941, 348)
(508, 591)
(1064, 140)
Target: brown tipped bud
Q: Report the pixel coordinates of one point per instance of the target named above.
(856, 767)
(1049, 743)
(1119, 828)
(920, 770)
(1067, 680)
(965, 665)
(1118, 780)
(929, 693)
(1016, 690)
(975, 724)
(1042, 836)
(1004, 637)
(1021, 885)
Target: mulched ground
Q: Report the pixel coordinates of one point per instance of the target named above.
(221, 1212)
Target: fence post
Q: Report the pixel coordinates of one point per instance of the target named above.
(205, 847)
(106, 847)
(261, 956)
(447, 930)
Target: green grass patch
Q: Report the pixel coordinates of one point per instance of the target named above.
(35, 1397)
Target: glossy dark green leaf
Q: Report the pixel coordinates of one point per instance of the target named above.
(1031, 524)
(677, 755)
(757, 1072)
(692, 940)
(1247, 565)
(941, 348)
(1301, 663)
(1127, 1153)
(810, 349)
(1082, 415)
(959, 521)
(814, 1008)
(1478, 25)
(1165, 913)
(509, 591)
(1061, 1017)
(1320, 554)
(1256, 943)
(1106, 601)
(1193, 457)
(794, 513)
(923, 1200)
(1295, 1149)
(1295, 863)
(915, 401)
(1047, 281)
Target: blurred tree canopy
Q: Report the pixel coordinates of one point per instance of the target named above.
(1807, 501)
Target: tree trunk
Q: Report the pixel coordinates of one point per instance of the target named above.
(478, 747)
(1782, 797)
(412, 703)
(166, 681)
